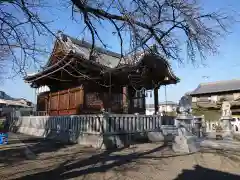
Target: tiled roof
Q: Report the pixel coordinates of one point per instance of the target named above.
(13, 103)
(104, 60)
(104, 57)
(216, 87)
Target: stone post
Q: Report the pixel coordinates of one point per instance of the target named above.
(198, 126)
(225, 121)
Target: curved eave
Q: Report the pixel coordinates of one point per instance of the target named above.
(173, 78)
(172, 81)
(55, 67)
(170, 77)
(162, 74)
(47, 70)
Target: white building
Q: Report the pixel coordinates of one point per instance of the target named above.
(150, 109)
(168, 106)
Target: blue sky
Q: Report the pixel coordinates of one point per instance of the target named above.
(223, 66)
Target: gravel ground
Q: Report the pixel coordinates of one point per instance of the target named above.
(30, 158)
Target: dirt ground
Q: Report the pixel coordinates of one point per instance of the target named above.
(37, 159)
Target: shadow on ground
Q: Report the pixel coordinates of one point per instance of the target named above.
(200, 173)
(101, 162)
(107, 160)
(110, 160)
(17, 149)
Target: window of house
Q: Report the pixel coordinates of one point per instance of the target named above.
(236, 96)
(194, 99)
(204, 98)
(214, 98)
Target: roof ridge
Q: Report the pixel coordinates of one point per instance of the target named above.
(87, 44)
(218, 82)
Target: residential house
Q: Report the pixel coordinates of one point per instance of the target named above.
(150, 109)
(7, 103)
(167, 107)
(209, 97)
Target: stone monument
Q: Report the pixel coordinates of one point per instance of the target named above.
(225, 121)
(185, 141)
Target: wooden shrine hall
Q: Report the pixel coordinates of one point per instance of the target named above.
(80, 84)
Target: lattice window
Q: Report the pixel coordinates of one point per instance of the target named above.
(117, 98)
(93, 99)
(138, 100)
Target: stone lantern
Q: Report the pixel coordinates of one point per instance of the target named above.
(185, 141)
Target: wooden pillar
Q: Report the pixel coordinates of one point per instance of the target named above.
(130, 100)
(49, 104)
(144, 101)
(125, 99)
(156, 106)
(110, 93)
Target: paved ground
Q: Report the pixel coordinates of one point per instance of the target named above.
(31, 158)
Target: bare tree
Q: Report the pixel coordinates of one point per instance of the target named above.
(170, 25)
(166, 23)
(20, 25)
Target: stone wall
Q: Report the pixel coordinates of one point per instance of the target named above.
(210, 128)
(99, 131)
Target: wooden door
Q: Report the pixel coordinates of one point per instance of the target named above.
(66, 102)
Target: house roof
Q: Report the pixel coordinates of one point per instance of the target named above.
(13, 103)
(217, 87)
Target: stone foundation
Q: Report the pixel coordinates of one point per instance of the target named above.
(185, 144)
(98, 140)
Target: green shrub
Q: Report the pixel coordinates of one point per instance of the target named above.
(1, 125)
